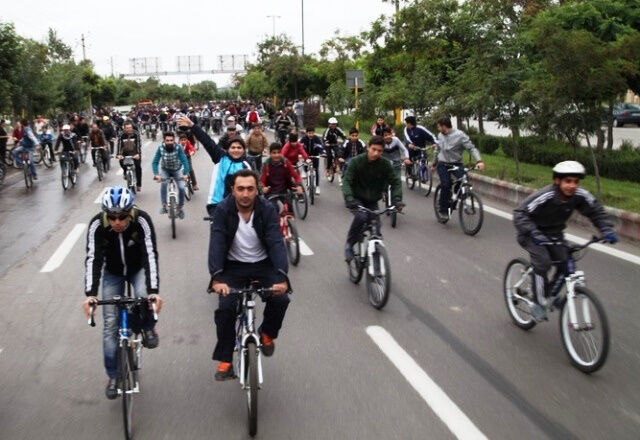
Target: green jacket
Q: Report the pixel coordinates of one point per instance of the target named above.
(367, 181)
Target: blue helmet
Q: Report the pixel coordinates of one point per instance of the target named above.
(117, 199)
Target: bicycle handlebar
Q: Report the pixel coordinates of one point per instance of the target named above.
(574, 248)
(118, 302)
(379, 211)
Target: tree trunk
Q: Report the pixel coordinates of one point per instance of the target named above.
(459, 123)
(610, 124)
(600, 139)
(595, 167)
(480, 121)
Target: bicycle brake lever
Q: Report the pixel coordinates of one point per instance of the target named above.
(153, 307)
(92, 321)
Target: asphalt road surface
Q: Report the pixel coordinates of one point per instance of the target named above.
(441, 360)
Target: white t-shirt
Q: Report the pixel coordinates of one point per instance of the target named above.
(246, 246)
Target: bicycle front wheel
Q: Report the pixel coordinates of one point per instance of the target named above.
(172, 216)
(28, 177)
(311, 187)
(436, 206)
(471, 213)
(126, 383)
(586, 341)
(428, 180)
(64, 169)
(251, 381)
(379, 283)
(46, 157)
(292, 242)
(409, 177)
(301, 205)
(83, 154)
(100, 168)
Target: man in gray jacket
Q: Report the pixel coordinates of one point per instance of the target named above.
(449, 149)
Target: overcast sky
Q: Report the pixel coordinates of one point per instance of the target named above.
(167, 29)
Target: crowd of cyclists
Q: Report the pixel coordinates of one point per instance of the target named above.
(245, 241)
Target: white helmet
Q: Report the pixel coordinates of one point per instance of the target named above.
(333, 120)
(569, 168)
(231, 118)
(66, 127)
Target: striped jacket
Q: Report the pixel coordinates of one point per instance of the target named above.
(547, 211)
(123, 253)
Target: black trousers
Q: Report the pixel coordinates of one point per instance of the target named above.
(542, 258)
(237, 275)
(359, 220)
(192, 173)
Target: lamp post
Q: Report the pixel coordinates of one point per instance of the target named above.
(273, 17)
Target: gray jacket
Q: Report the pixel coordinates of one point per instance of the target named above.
(547, 211)
(450, 147)
(395, 151)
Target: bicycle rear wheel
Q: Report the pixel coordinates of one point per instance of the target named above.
(379, 284)
(471, 213)
(100, 168)
(126, 383)
(427, 180)
(436, 206)
(293, 243)
(311, 186)
(588, 344)
(518, 309)
(28, 177)
(251, 382)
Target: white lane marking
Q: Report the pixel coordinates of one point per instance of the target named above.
(304, 249)
(457, 421)
(631, 258)
(99, 198)
(119, 172)
(65, 247)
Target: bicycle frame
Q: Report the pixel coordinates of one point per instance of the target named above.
(246, 330)
(126, 335)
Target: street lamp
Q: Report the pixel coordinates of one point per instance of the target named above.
(273, 17)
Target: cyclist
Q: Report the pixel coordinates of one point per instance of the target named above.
(279, 174)
(173, 163)
(97, 139)
(109, 133)
(231, 132)
(376, 129)
(228, 162)
(121, 247)
(350, 149)
(542, 217)
(129, 144)
(256, 143)
(283, 124)
(416, 136)
(313, 146)
(293, 149)
(394, 150)
(68, 140)
(367, 177)
(330, 140)
(449, 148)
(248, 247)
(190, 151)
(28, 143)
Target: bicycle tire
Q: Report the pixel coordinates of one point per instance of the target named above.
(596, 364)
(126, 384)
(379, 284)
(301, 204)
(83, 153)
(311, 187)
(46, 157)
(73, 176)
(64, 169)
(8, 157)
(428, 182)
(172, 216)
(355, 266)
(409, 178)
(188, 190)
(251, 381)
(521, 322)
(37, 156)
(464, 209)
(436, 206)
(3, 172)
(293, 243)
(99, 168)
(28, 177)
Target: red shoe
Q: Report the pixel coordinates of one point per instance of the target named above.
(225, 372)
(268, 346)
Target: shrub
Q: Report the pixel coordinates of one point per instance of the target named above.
(486, 143)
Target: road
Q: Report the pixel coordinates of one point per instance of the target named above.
(441, 360)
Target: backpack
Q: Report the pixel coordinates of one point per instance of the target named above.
(253, 117)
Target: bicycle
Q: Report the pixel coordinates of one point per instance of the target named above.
(470, 210)
(67, 170)
(172, 202)
(83, 148)
(154, 132)
(578, 306)
(248, 346)
(420, 172)
(26, 167)
(371, 253)
(334, 166)
(102, 163)
(188, 189)
(310, 180)
(288, 228)
(45, 157)
(129, 173)
(130, 353)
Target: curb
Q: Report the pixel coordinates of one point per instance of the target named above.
(627, 223)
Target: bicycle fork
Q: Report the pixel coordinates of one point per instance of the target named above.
(248, 332)
(573, 280)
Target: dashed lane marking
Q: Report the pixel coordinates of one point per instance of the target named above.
(65, 247)
(304, 248)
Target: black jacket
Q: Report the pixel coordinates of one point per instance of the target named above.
(547, 212)
(121, 254)
(138, 144)
(225, 226)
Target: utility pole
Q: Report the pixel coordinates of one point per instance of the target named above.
(397, 2)
(302, 27)
(84, 58)
(112, 67)
(273, 17)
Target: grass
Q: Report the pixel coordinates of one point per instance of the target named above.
(615, 193)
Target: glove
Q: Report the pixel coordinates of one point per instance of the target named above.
(399, 205)
(351, 204)
(539, 238)
(611, 237)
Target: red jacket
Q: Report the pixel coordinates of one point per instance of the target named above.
(291, 152)
(189, 149)
(291, 175)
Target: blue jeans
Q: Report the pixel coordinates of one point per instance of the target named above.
(445, 180)
(18, 157)
(176, 174)
(114, 285)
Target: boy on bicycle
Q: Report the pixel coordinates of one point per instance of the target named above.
(278, 174)
(541, 218)
(173, 163)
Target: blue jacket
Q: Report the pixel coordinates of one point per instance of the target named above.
(266, 225)
(419, 136)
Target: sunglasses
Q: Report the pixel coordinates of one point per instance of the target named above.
(120, 217)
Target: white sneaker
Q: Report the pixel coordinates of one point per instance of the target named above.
(317, 190)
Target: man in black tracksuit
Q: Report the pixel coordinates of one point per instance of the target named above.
(130, 144)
